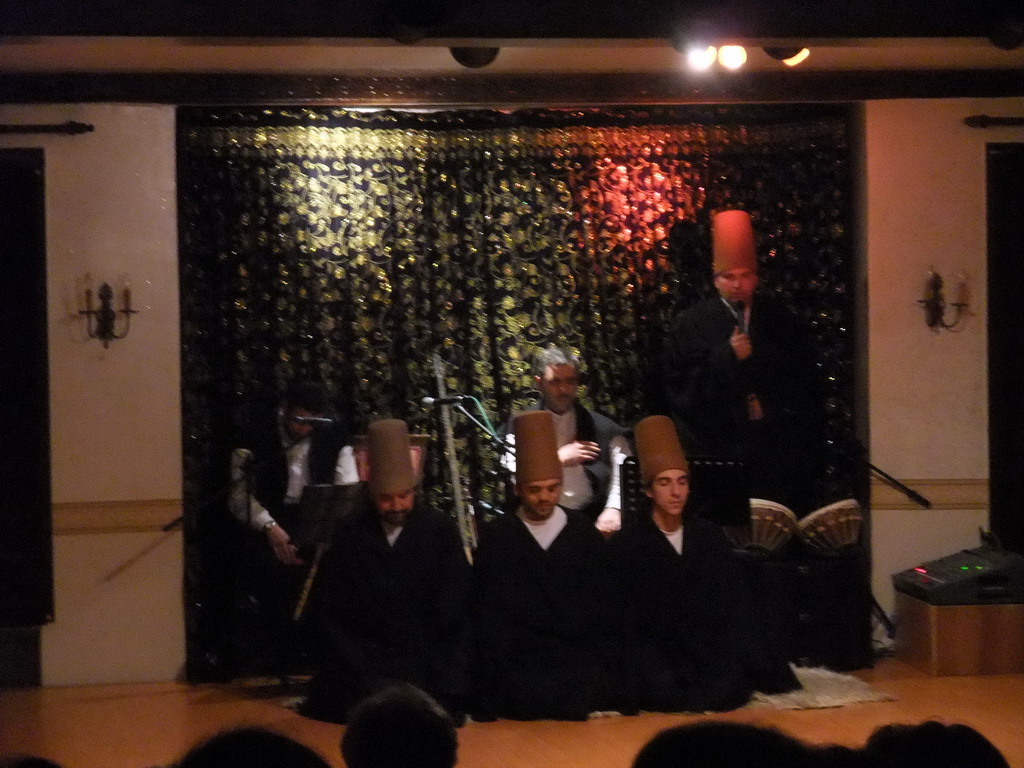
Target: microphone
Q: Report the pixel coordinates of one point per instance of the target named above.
(427, 402)
(739, 309)
(312, 420)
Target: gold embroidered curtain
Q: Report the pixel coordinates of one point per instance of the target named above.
(349, 247)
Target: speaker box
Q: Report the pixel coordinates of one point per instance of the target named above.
(817, 608)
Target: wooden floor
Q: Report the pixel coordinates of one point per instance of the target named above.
(137, 726)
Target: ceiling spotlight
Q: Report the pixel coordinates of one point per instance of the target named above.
(800, 56)
(701, 56)
(732, 56)
(474, 58)
(1008, 34)
(791, 55)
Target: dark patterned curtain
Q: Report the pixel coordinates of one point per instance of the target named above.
(351, 247)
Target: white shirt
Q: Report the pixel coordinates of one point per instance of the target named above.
(392, 532)
(546, 531)
(675, 538)
(247, 509)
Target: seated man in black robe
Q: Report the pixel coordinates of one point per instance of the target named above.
(393, 600)
(548, 625)
(692, 641)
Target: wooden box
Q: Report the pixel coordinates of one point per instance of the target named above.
(945, 640)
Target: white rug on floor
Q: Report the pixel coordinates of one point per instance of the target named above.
(822, 688)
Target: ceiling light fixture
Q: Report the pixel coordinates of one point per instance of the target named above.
(474, 58)
(1008, 34)
(732, 56)
(790, 56)
(701, 57)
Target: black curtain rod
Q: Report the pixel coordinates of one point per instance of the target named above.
(70, 128)
(988, 121)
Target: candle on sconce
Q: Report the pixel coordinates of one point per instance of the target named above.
(127, 299)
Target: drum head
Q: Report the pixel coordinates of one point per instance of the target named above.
(835, 526)
(771, 525)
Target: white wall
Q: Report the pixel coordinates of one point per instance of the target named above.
(927, 390)
(115, 413)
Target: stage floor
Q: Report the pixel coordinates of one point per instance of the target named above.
(139, 726)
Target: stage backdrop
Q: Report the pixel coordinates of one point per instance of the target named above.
(350, 247)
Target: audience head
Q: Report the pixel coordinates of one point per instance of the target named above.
(556, 375)
(251, 748)
(933, 745)
(399, 727)
(538, 470)
(719, 744)
(27, 761)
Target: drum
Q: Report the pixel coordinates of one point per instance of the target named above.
(836, 526)
(772, 525)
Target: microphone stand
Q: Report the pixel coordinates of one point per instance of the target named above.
(860, 456)
(245, 479)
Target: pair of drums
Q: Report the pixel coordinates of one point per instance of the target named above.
(832, 527)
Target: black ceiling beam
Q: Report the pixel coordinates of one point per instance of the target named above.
(506, 19)
(505, 90)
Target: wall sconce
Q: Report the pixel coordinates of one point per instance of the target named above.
(934, 302)
(101, 322)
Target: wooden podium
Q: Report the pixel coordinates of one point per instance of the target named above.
(946, 640)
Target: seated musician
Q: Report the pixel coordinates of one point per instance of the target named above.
(591, 447)
(304, 444)
(691, 638)
(392, 602)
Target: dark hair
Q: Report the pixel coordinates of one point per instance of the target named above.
(251, 748)
(27, 761)
(718, 744)
(399, 727)
(551, 356)
(932, 744)
(308, 395)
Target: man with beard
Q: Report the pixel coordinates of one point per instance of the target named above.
(591, 447)
(393, 600)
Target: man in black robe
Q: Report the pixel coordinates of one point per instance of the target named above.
(547, 619)
(393, 599)
(740, 377)
(692, 645)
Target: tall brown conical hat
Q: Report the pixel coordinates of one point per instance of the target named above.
(658, 448)
(536, 447)
(732, 239)
(390, 459)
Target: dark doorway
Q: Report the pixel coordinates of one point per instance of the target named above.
(26, 555)
(1005, 167)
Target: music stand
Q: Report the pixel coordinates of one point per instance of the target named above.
(719, 491)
